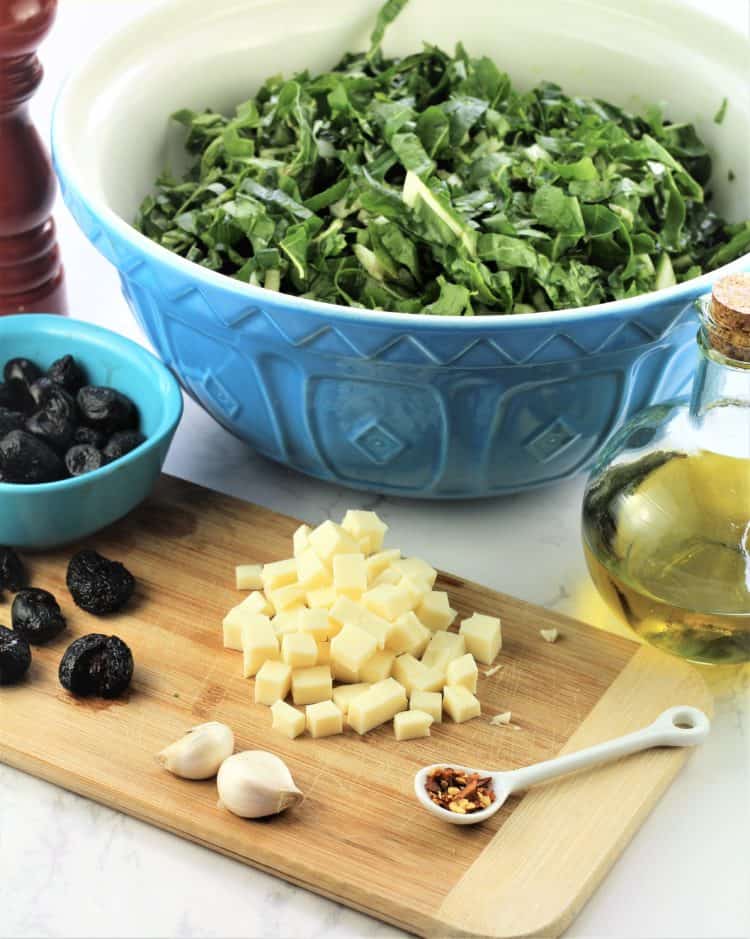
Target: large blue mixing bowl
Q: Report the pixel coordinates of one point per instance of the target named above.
(412, 405)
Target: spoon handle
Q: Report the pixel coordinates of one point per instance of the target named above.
(679, 726)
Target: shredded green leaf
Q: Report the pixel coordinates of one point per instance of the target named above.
(430, 184)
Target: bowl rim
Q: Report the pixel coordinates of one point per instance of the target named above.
(62, 152)
(172, 402)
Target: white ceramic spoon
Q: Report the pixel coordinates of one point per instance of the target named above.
(680, 726)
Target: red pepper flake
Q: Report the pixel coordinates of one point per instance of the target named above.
(458, 791)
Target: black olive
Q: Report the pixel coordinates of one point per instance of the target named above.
(36, 616)
(96, 665)
(25, 458)
(15, 396)
(68, 373)
(106, 409)
(23, 370)
(12, 571)
(15, 656)
(88, 435)
(10, 420)
(121, 443)
(97, 584)
(55, 421)
(41, 389)
(83, 458)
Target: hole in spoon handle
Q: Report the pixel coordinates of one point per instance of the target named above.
(681, 726)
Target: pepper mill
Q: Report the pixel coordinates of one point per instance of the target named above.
(31, 275)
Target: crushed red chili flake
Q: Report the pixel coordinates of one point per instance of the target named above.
(457, 791)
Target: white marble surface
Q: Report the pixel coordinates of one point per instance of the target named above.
(72, 868)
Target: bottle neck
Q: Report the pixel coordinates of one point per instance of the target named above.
(720, 402)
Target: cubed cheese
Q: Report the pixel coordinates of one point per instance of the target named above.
(279, 574)
(408, 635)
(462, 671)
(257, 602)
(387, 601)
(376, 706)
(312, 573)
(376, 626)
(343, 695)
(388, 576)
(346, 612)
(366, 528)
(324, 653)
(417, 589)
(301, 539)
(330, 539)
(350, 649)
(299, 650)
(431, 702)
(460, 704)
(483, 637)
(417, 569)
(443, 648)
(377, 563)
(415, 676)
(259, 643)
(288, 621)
(285, 597)
(323, 598)
(316, 623)
(310, 685)
(410, 724)
(273, 682)
(252, 605)
(350, 575)
(324, 719)
(435, 610)
(378, 667)
(248, 577)
(287, 720)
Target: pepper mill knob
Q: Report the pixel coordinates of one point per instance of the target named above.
(31, 275)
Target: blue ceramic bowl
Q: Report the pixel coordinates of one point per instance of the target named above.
(52, 514)
(407, 404)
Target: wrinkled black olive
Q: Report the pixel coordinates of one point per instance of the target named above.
(10, 420)
(41, 389)
(121, 443)
(15, 656)
(97, 584)
(55, 421)
(83, 458)
(23, 370)
(106, 409)
(36, 615)
(25, 458)
(96, 665)
(68, 373)
(15, 396)
(12, 571)
(94, 438)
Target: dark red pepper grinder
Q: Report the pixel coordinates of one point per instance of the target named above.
(31, 275)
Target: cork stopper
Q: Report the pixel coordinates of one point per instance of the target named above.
(727, 323)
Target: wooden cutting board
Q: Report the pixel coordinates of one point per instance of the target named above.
(359, 837)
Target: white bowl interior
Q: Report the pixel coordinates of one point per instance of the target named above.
(190, 53)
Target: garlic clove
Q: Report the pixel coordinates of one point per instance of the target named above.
(255, 783)
(200, 752)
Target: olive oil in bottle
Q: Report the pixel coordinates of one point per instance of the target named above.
(666, 513)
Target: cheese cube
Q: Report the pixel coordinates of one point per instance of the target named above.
(324, 653)
(299, 650)
(272, 683)
(376, 626)
(300, 539)
(410, 724)
(324, 719)
(435, 610)
(287, 720)
(460, 704)
(248, 577)
(462, 671)
(330, 539)
(378, 667)
(431, 702)
(377, 563)
(350, 649)
(257, 602)
(408, 635)
(366, 528)
(416, 569)
(259, 643)
(343, 695)
(310, 685)
(388, 601)
(322, 598)
(287, 622)
(232, 624)
(279, 574)
(312, 573)
(388, 576)
(417, 589)
(316, 623)
(350, 575)
(443, 648)
(483, 637)
(285, 597)
(346, 612)
(415, 676)
(376, 706)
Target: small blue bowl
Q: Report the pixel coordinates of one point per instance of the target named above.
(51, 514)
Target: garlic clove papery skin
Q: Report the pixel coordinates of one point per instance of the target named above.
(200, 752)
(255, 783)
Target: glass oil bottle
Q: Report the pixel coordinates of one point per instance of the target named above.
(666, 512)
